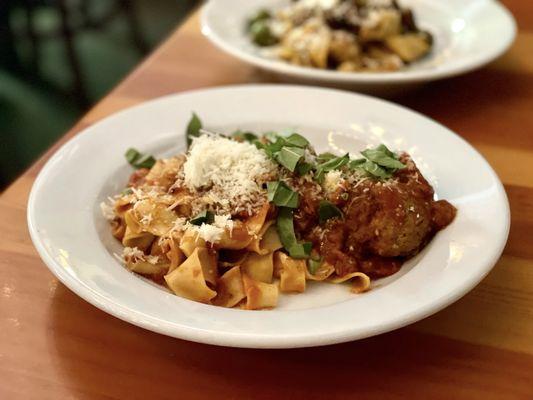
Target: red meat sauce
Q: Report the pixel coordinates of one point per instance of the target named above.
(383, 225)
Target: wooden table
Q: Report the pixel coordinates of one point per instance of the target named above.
(54, 345)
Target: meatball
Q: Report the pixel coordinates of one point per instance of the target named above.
(384, 223)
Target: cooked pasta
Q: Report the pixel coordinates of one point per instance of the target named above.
(343, 35)
(238, 219)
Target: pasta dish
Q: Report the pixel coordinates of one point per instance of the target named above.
(239, 218)
(342, 35)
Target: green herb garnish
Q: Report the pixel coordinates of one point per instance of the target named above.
(285, 227)
(379, 163)
(138, 160)
(245, 136)
(296, 140)
(383, 157)
(304, 167)
(313, 265)
(261, 15)
(327, 210)
(289, 157)
(323, 157)
(262, 34)
(281, 195)
(205, 217)
(331, 165)
(193, 128)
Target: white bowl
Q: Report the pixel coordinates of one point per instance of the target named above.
(75, 242)
(468, 34)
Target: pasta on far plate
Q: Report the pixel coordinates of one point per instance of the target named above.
(240, 218)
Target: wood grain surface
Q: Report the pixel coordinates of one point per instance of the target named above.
(54, 345)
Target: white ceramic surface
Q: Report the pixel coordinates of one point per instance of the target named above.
(468, 34)
(74, 240)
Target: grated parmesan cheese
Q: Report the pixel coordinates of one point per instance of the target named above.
(228, 172)
(107, 211)
(212, 233)
(134, 254)
(332, 180)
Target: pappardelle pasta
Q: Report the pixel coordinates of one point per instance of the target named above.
(238, 219)
(341, 35)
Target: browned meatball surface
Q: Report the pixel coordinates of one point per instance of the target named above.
(384, 223)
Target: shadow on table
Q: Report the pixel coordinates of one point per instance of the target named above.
(104, 357)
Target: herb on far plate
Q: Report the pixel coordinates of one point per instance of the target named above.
(138, 160)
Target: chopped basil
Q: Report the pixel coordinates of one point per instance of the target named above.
(138, 160)
(244, 136)
(281, 195)
(355, 164)
(261, 15)
(323, 157)
(313, 265)
(289, 157)
(332, 164)
(303, 168)
(285, 227)
(327, 210)
(127, 191)
(193, 128)
(345, 196)
(205, 217)
(262, 34)
(297, 140)
(377, 171)
(383, 157)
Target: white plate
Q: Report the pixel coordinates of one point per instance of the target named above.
(468, 34)
(75, 242)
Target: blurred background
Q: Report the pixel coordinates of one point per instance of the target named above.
(58, 57)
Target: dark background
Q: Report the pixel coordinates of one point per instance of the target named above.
(58, 57)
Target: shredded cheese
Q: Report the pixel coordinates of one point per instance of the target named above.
(228, 173)
(107, 211)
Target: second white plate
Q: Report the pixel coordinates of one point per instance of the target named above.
(468, 35)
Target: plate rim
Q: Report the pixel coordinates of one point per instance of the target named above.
(398, 77)
(250, 340)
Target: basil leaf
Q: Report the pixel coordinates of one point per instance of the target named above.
(205, 217)
(261, 33)
(382, 156)
(138, 160)
(285, 228)
(375, 170)
(301, 250)
(244, 136)
(332, 164)
(321, 158)
(356, 164)
(193, 128)
(289, 157)
(297, 140)
(314, 265)
(261, 15)
(327, 210)
(303, 168)
(281, 195)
